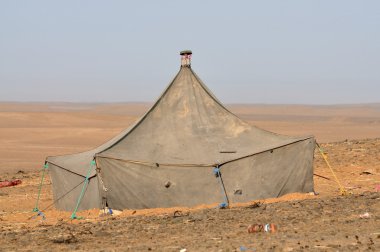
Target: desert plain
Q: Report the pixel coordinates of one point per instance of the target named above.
(328, 221)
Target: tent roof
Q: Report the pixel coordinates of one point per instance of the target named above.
(186, 126)
(189, 126)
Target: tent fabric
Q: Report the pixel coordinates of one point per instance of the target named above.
(67, 186)
(205, 132)
(268, 174)
(177, 143)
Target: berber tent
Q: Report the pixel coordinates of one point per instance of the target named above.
(188, 149)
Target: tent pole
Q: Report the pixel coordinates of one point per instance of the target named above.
(217, 174)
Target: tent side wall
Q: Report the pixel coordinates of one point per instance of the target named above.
(69, 185)
(272, 173)
(138, 186)
(269, 174)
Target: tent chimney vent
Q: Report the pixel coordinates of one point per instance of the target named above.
(186, 58)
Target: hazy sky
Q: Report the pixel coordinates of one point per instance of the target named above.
(313, 52)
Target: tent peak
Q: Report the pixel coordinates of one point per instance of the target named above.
(186, 58)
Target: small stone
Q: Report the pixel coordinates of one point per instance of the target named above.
(65, 238)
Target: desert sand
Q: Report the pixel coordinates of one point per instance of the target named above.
(350, 136)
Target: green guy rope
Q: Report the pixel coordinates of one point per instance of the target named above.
(35, 209)
(74, 214)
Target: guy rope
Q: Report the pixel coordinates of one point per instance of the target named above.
(341, 187)
(46, 166)
(74, 214)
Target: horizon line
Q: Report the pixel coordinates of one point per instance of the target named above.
(226, 103)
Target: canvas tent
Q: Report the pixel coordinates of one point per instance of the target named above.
(188, 149)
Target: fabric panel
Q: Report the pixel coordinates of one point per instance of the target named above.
(64, 183)
(137, 186)
(272, 173)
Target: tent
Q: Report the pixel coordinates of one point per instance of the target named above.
(188, 149)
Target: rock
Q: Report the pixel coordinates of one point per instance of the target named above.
(64, 238)
(255, 205)
(367, 172)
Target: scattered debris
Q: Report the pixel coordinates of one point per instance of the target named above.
(179, 213)
(108, 211)
(377, 188)
(255, 205)
(255, 228)
(366, 172)
(43, 216)
(7, 183)
(364, 216)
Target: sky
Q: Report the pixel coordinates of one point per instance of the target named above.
(275, 52)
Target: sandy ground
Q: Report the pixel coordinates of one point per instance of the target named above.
(326, 222)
